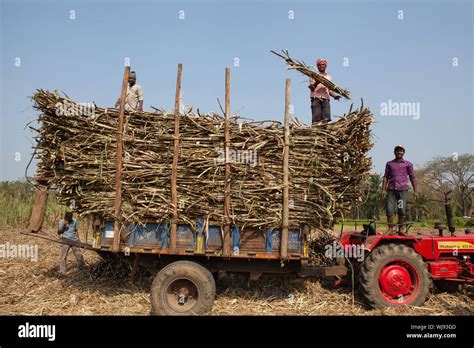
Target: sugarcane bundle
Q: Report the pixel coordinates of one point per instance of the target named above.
(77, 153)
(310, 72)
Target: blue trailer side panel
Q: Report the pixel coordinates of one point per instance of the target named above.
(247, 241)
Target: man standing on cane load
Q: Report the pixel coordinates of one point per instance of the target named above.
(134, 96)
(397, 172)
(320, 95)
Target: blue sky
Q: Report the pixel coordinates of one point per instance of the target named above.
(424, 58)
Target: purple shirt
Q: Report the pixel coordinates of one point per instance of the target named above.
(397, 174)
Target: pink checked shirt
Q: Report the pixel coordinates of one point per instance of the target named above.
(321, 91)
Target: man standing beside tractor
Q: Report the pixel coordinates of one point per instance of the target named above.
(397, 172)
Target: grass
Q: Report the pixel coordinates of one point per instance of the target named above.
(16, 203)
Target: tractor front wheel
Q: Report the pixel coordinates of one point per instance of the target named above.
(394, 275)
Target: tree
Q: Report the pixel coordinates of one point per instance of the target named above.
(374, 204)
(456, 174)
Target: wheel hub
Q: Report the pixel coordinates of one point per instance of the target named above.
(182, 295)
(395, 280)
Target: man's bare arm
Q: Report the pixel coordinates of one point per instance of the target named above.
(61, 230)
(413, 184)
(334, 95)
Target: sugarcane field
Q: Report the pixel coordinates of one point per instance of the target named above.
(239, 162)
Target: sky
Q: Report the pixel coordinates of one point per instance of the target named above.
(390, 53)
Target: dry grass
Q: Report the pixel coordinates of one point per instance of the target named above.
(35, 288)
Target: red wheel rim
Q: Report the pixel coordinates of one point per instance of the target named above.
(399, 282)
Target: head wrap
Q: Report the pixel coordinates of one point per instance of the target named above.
(133, 74)
(322, 61)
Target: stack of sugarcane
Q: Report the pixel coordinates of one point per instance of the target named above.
(301, 66)
(77, 153)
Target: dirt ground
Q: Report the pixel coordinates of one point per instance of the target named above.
(31, 287)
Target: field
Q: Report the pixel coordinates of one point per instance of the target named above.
(36, 288)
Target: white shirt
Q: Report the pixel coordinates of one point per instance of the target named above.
(134, 95)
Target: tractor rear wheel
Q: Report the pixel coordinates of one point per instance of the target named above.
(183, 288)
(394, 275)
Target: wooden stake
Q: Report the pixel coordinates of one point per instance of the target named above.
(227, 239)
(174, 168)
(39, 209)
(286, 153)
(118, 163)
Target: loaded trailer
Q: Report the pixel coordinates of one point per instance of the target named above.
(189, 255)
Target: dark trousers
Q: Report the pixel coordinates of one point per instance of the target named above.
(397, 202)
(321, 110)
(77, 253)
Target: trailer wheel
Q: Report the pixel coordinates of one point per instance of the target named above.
(394, 275)
(183, 288)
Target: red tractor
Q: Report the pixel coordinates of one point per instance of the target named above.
(399, 270)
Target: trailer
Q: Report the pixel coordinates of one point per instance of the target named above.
(185, 283)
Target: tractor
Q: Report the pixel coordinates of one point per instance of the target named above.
(401, 269)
